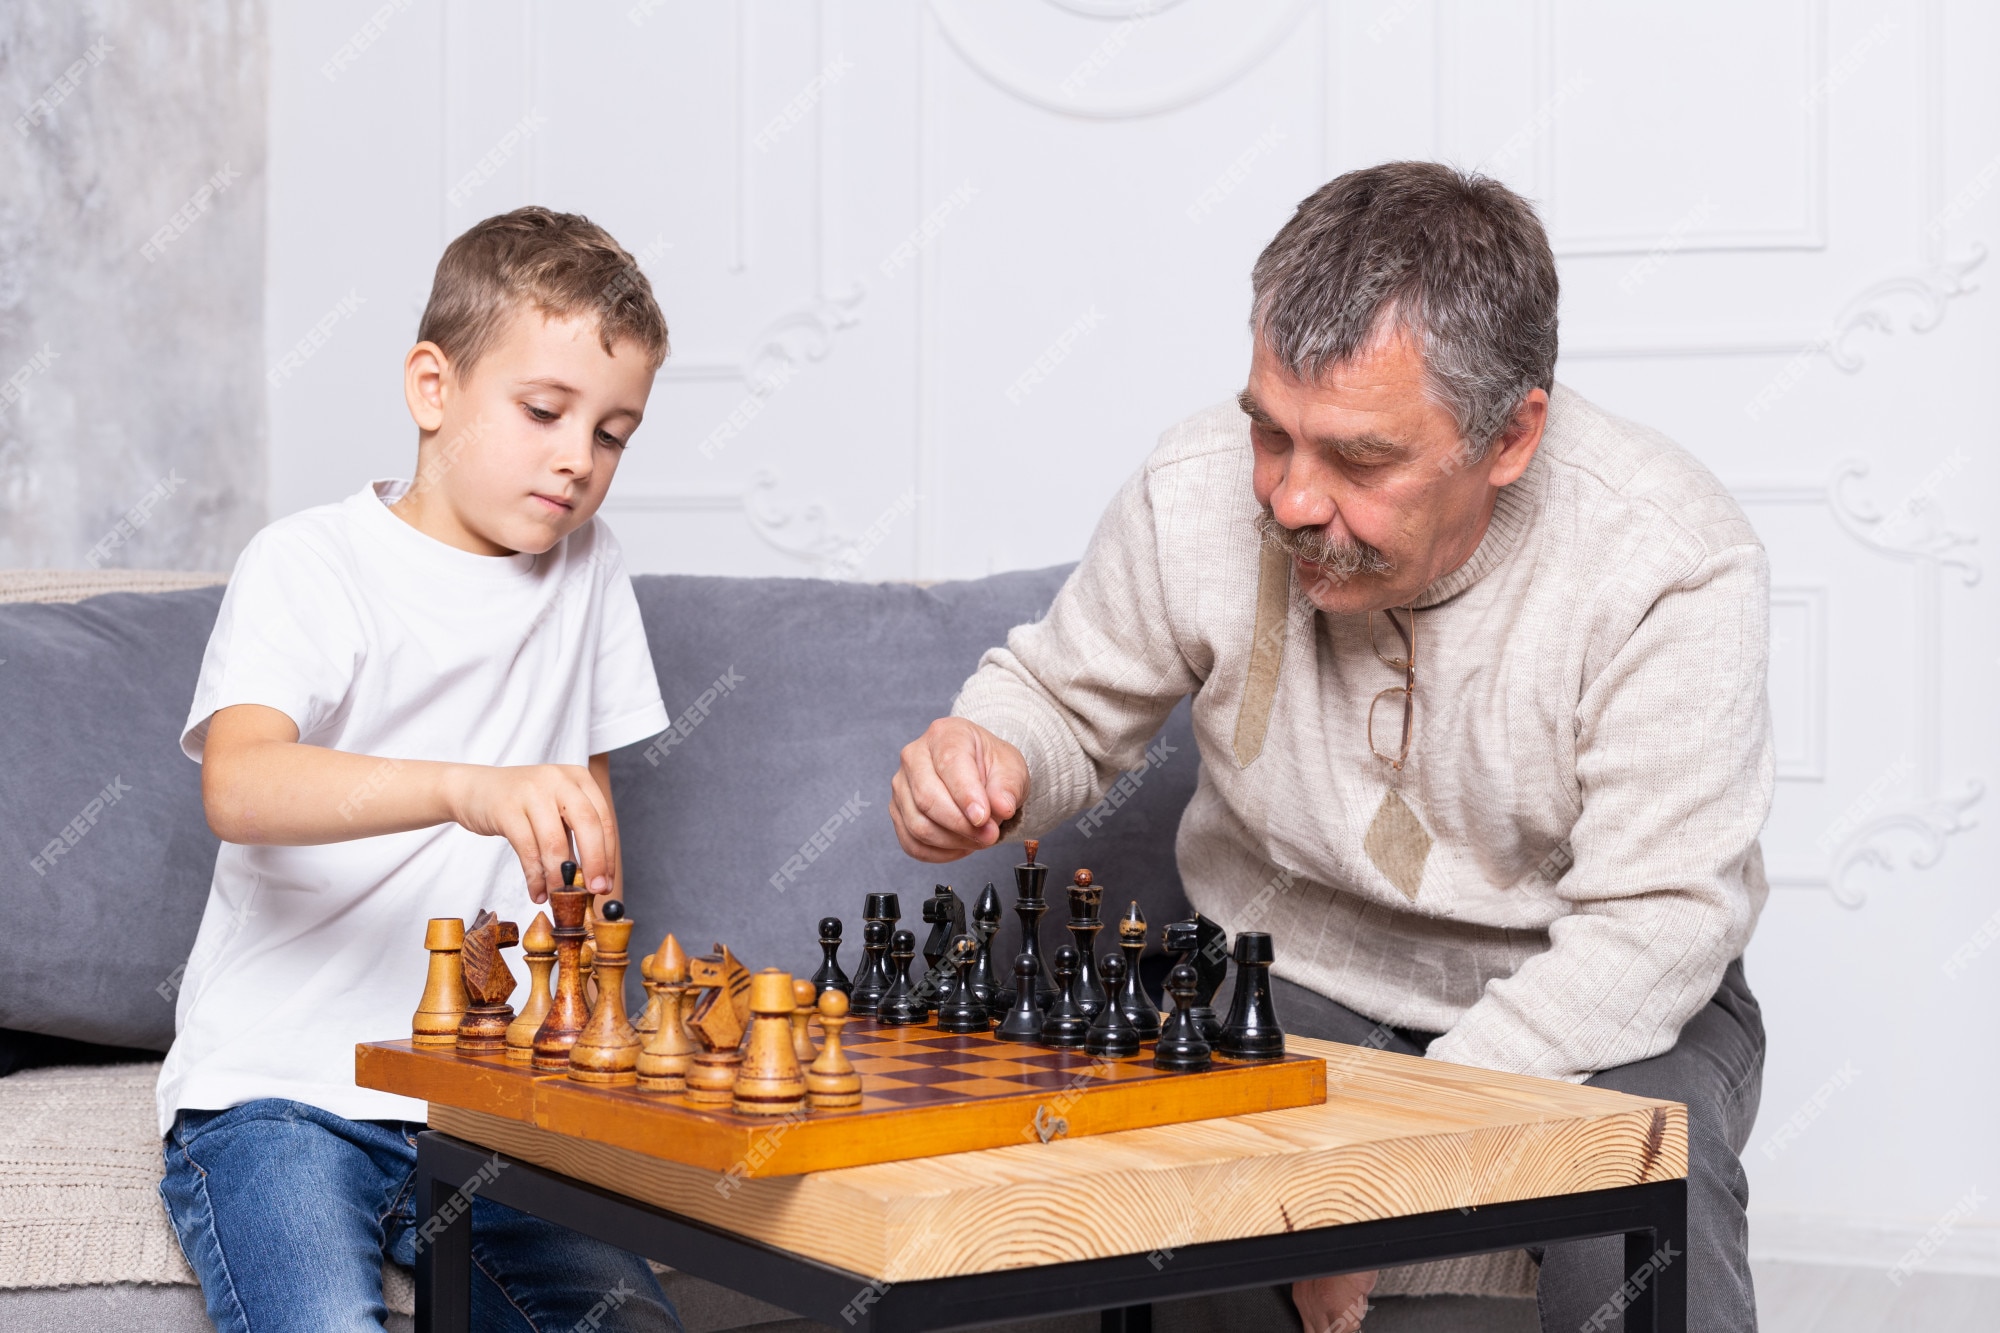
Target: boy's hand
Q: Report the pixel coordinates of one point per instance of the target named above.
(536, 807)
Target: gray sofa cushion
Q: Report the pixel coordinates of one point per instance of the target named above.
(836, 678)
(94, 694)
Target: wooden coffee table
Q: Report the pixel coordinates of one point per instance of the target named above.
(1408, 1160)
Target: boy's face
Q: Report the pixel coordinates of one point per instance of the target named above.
(520, 452)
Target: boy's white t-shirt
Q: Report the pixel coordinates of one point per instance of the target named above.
(377, 639)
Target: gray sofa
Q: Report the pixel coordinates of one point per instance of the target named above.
(108, 858)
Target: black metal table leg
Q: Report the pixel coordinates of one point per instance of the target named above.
(444, 1246)
(1128, 1319)
(1653, 1296)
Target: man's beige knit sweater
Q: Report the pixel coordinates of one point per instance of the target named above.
(1572, 859)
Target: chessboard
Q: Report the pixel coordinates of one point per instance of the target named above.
(768, 1075)
(923, 1093)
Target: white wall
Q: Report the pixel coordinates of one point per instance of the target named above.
(1770, 221)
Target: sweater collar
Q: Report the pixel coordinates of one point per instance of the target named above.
(1514, 510)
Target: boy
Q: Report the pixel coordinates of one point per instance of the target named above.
(394, 718)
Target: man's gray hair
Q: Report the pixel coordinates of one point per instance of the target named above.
(1456, 259)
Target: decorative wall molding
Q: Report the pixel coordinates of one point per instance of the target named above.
(1807, 603)
(1258, 43)
(784, 345)
(1918, 827)
(802, 532)
(1810, 234)
(780, 349)
(1929, 283)
(1872, 308)
(1913, 531)
(1874, 828)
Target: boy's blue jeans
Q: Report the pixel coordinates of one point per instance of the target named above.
(286, 1212)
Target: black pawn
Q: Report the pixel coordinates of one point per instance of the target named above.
(1065, 1024)
(1131, 997)
(1182, 1049)
(613, 909)
(1251, 1031)
(900, 1006)
(962, 1010)
(1024, 1020)
(830, 975)
(873, 983)
(986, 925)
(1111, 1033)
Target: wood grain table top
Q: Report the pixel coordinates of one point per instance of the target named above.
(1397, 1136)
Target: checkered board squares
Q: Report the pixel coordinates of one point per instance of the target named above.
(921, 1066)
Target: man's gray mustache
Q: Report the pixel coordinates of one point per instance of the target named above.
(1339, 560)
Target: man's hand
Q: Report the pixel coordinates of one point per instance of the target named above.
(535, 807)
(958, 783)
(1333, 1304)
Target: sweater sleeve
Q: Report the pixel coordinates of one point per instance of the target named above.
(1675, 768)
(1081, 691)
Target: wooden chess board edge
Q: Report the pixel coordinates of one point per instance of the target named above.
(492, 1082)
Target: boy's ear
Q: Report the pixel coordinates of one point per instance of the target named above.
(424, 372)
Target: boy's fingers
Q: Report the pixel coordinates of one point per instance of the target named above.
(551, 841)
(608, 819)
(586, 821)
(521, 837)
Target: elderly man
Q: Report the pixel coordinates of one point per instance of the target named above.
(1478, 681)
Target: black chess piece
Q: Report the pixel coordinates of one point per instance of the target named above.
(873, 983)
(612, 910)
(1084, 923)
(1202, 945)
(1065, 1024)
(1251, 1031)
(986, 925)
(1111, 1033)
(900, 1006)
(830, 975)
(962, 1010)
(1131, 997)
(944, 911)
(1029, 905)
(1182, 1049)
(1024, 1019)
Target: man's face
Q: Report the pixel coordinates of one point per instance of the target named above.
(528, 441)
(1364, 475)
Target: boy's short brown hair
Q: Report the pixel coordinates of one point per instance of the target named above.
(562, 264)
